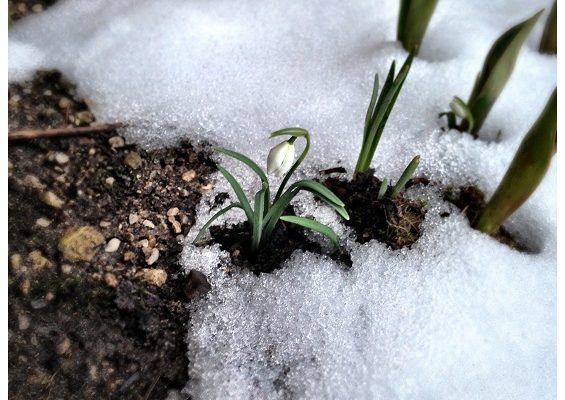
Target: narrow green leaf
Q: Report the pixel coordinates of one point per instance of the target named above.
(318, 189)
(275, 212)
(215, 217)
(251, 164)
(246, 160)
(258, 213)
(383, 107)
(496, 71)
(406, 175)
(313, 225)
(383, 188)
(384, 110)
(239, 193)
(371, 108)
(413, 20)
(526, 171)
(548, 42)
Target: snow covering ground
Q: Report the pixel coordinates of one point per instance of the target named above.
(457, 316)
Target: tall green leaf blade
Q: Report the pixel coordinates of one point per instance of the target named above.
(215, 217)
(275, 212)
(238, 192)
(385, 109)
(313, 225)
(371, 109)
(383, 188)
(413, 20)
(497, 69)
(526, 171)
(548, 42)
(324, 194)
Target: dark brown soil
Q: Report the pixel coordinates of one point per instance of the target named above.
(113, 326)
(392, 220)
(286, 238)
(471, 201)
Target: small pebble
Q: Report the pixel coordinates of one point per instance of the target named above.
(85, 117)
(133, 160)
(66, 269)
(156, 277)
(92, 151)
(143, 243)
(129, 255)
(176, 226)
(23, 322)
(173, 212)
(153, 256)
(37, 8)
(38, 261)
(51, 199)
(110, 181)
(48, 93)
(63, 345)
(65, 102)
(33, 182)
(113, 245)
(116, 142)
(148, 224)
(104, 224)
(207, 187)
(15, 262)
(38, 304)
(50, 296)
(188, 175)
(25, 286)
(110, 279)
(133, 219)
(43, 222)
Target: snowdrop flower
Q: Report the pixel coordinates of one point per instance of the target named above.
(280, 158)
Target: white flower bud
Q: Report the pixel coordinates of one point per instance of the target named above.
(280, 158)
(459, 108)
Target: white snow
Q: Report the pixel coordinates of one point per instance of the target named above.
(457, 316)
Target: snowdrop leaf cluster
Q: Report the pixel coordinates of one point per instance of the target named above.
(264, 215)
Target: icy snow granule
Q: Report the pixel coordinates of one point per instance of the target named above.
(457, 316)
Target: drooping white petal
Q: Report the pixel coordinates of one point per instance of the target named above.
(280, 158)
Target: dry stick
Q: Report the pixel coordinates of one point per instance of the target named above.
(28, 134)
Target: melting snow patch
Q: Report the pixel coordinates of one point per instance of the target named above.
(457, 316)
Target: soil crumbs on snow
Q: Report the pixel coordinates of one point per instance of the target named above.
(96, 295)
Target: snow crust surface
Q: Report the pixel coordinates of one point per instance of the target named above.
(457, 316)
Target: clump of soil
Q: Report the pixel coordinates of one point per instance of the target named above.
(285, 239)
(96, 294)
(392, 220)
(471, 201)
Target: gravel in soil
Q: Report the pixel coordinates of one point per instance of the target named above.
(96, 294)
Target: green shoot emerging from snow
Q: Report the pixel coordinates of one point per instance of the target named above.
(264, 215)
(378, 112)
(404, 178)
(498, 66)
(530, 163)
(548, 42)
(413, 21)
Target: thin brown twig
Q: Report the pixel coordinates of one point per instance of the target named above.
(28, 134)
